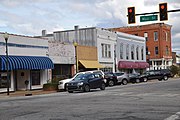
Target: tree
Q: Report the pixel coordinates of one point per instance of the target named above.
(174, 69)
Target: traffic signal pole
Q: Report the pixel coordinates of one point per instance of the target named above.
(163, 14)
(169, 11)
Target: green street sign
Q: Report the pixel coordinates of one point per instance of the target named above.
(148, 18)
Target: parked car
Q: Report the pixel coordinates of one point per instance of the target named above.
(116, 78)
(122, 77)
(111, 78)
(134, 78)
(85, 82)
(62, 83)
(162, 74)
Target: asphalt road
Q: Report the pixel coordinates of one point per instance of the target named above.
(145, 101)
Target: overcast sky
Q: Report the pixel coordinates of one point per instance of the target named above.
(30, 17)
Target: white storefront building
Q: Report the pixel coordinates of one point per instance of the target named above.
(131, 53)
(27, 61)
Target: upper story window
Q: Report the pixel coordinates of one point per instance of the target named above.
(146, 50)
(137, 53)
(132, 52)
(127, 52)
(146, 36)
(121, 51)
(167, 50)
(155, 36)
(142, 53)
(106, 50)
(166, 36)
(136, 34)
(156, 51)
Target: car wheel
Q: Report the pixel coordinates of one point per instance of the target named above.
(145, 79)
(103, 86)
(70, 91)
(86, 88)
(137, 81)
(65, 87)
(111, 83)
(124, 82)
(165, 78)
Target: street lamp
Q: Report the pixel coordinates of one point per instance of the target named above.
(75, 45)
(6, 36)
(149, 58)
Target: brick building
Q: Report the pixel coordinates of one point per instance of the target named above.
(158, 43)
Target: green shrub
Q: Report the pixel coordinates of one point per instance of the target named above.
(50, 86)
(174, 69)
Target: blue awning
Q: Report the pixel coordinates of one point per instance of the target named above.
(26, 62)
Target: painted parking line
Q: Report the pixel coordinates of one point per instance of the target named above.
(174, 117)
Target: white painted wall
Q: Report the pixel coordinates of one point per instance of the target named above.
(24, 40)
(61, 53)
(106, 37)
(130, 40)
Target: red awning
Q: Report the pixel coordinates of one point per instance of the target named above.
(127, 64)
(142, 64)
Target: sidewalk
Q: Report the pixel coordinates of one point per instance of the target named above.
(25, 93)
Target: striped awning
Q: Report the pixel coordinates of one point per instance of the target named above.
(26, 62)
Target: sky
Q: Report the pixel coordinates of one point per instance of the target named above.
(30, 17)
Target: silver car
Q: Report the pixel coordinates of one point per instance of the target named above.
(122, 77)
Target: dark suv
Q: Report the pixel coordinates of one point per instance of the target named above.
(85, 82)
(162, 74)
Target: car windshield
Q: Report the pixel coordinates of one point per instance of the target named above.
(119, 74)
(82, 77)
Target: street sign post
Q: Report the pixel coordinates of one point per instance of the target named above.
(148, 18)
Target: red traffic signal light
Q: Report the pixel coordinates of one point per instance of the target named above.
(163, 11)
(131, 15)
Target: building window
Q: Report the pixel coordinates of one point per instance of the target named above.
(142, 53)
(127, 52)
(137, 53)
(106, 50)
(102, 46)
(146, 36)
(146, 50)
(156, 36)
(166, 36)
(167, 51)
(156, 51)
(136, 34)
(109, 51)
(132, 52)
(121, 51)
(3, 79)
(35, 75)
(107, 69)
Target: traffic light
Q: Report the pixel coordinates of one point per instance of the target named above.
(131, 15)
(163, 11)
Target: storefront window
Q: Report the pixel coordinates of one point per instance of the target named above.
(35, 74)
(3, 80)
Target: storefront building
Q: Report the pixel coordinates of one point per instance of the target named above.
(130, 53)
(27, 63)
(63, 57)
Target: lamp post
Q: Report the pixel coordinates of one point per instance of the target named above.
(149, 58)
(6, 36)
(75, 45)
